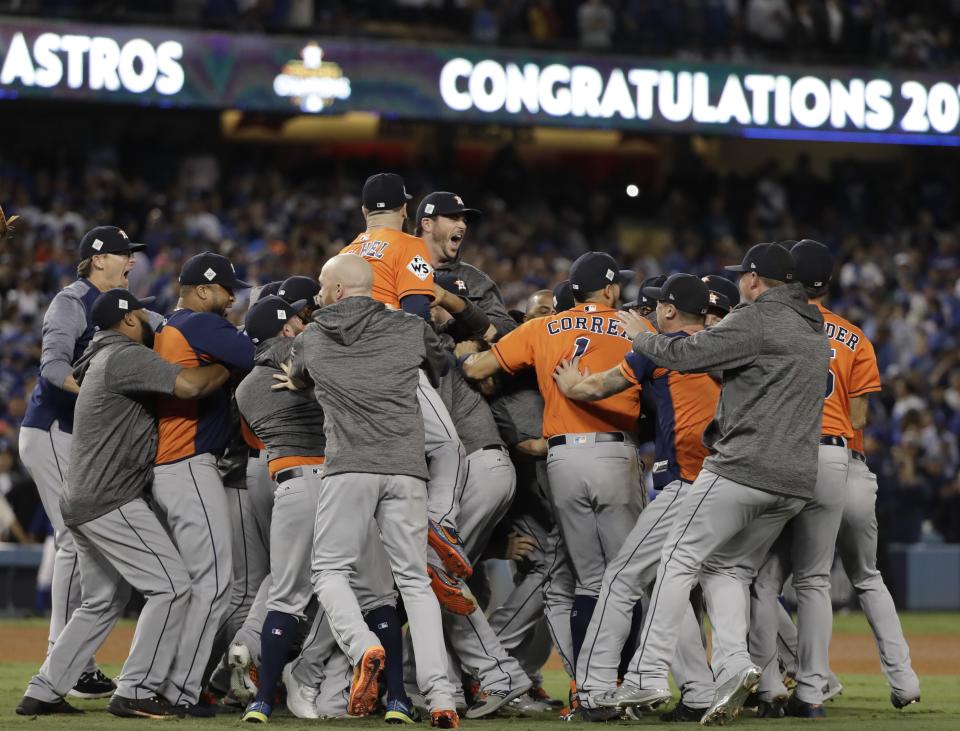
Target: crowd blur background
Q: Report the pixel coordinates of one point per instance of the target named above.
(173, 182)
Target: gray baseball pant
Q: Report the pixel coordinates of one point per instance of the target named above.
(480, 653)
(543, 594)
(191, 501)
(46, 455)
(597, 494)
(446, 457)
(626, 580)
(126, 547)
(490, 485)
(806, 548)
(723, 531)
(399, 505)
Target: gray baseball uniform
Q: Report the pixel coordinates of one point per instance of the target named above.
(446, 458)
(483, 292)
(375, 469)
(119, 540)
(187, 489)
(761, 470)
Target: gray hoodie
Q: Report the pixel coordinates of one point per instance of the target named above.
(483, 292)
(289, 423)
(114, 428)
(774, 358)
(363, 361)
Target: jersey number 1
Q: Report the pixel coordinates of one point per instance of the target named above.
(831, 379)
(581, 347)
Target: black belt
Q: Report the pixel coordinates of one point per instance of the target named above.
(602, 436)
(498, 447)
(254, 454)
(858, 455)
(826, 441)
(291, 473)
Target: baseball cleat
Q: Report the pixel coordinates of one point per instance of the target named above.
(445, 719)
(301, 699)
(401, 710)
(648, 699)
(730, 696)
(832, 689)
(903, 701)
(539, 694)
(364, 688)
(453, 595)
(491, 701)
(527, 706)
(257, 712)
(681, 713)
(801, 709)
(93, 685)
(152, 707)
(32, 707)
(449, 548)
(243, 673)
(596, 715)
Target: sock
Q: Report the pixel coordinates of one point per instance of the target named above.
(630, 646)
(279, 631)
(579, 621)
(384, 622)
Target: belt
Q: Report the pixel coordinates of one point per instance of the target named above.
(828, 441)
(858, 455)
(291, 473)
(489, 447)
(254, 454)
(602, 436)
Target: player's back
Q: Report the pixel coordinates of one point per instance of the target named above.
(853, 372)
(400, 263)
(591, 332)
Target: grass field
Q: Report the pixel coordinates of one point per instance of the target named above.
(864, 704)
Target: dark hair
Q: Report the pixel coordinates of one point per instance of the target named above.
(817, 292)
(691, 318)
(85, 268)
(586, 296)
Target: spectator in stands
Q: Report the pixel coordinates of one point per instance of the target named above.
(769, 23)
(596, 24)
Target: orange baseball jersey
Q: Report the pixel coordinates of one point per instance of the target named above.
(685, 403)
(853, 372)
(594, 334)
(400, 262)
(249, 438)
(856, 444)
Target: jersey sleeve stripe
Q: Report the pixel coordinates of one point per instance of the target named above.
(876, 388)
(503, 364)
(627, 373)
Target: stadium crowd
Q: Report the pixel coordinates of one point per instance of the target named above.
(861, 32)
(898, 238)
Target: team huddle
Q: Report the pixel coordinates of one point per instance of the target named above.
(287, 496)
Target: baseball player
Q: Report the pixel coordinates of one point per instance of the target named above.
(106, 258)
(724, 296)
(761, 470)
(357, 353)
(592, 463)
(119, 540)
(684, 404)
(442, 221)
(807, 546)
(403, 279)
(297, 288)
(187, 488)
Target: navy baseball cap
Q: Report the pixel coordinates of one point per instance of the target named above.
(443, 203)
(642, 300)
(769, 261)
(299, 287)
(595, 270)
(814, 263)
(269, 288)
(268, 316)
(210, 268)
(684, 291)
(724, 295)
(384, 192)
(110, 307)
(452, 283)
(107, 240)
(563, 297)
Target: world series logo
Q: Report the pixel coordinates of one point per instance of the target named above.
(311, 83)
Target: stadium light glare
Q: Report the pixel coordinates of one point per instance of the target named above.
(632, 191)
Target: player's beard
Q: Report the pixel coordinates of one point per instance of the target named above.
(146, 334)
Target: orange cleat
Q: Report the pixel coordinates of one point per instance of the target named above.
(364, 688)
(445, 719)
(453, 595)
(449, 548)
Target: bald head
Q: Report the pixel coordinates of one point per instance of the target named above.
(346, 275)
(540, 304)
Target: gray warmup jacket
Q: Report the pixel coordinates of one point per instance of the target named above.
(483, 292)
(774, 358)
(363, 361)
(114, 425)
(289, 423)
(469, 410)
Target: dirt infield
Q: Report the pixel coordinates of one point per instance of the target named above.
(932, 654)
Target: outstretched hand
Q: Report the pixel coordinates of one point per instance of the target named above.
(567, 375)
(285, 381)
(633, 323)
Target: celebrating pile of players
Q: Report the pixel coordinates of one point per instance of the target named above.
(307, 504)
